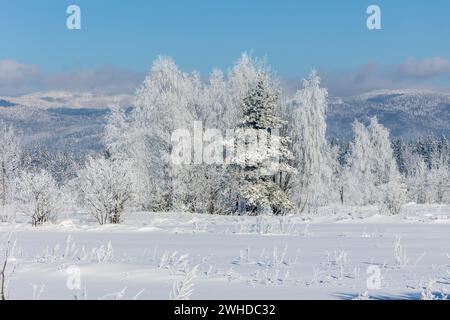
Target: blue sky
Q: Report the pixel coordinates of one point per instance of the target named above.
(123, 37)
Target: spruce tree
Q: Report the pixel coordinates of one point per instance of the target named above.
(260, 153)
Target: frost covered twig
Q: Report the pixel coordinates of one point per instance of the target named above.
(183, 289)
(174, 263)
(401, 259)
(4, 274)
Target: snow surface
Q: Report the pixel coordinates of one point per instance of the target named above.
(319, 256)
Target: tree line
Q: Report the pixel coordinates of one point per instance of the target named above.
(297, 171)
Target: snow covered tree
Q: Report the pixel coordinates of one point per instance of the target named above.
(116, 137)
(374, 175)
(416, 178)
(338, 178)
(169, 100)
(438, 179)
(259, 153)
(241, 79)
(144, 135)
(393, 195)
(10, 153)
(427, 170)
(309, 143)
(105, 189)
(400, 152)
(38, 196)
(225, 96)
(62, 165)
(361, 175)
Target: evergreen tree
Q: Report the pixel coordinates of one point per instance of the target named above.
(399, 147)
(259, 153)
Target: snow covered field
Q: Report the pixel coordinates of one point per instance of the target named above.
(324, 256)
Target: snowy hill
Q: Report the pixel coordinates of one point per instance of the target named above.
(60, 119)
(407, 113)
(65, 99)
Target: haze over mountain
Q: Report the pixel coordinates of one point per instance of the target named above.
(62, 119)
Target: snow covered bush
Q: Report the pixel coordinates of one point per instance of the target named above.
(184, 288)
(105, 188)
(73, 253)
(174, 262)
(401, 259)
(38, 196)
(394, 196)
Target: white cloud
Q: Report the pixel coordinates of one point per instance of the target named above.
(368, 77)
(427, 68)
(15, 75)
(17, 78)
(432, 73)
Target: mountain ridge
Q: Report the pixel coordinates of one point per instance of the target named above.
(62, 119)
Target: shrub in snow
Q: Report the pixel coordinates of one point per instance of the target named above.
(401, 258)
(74, 253)
(38, 196)
(393, 197)
(341, 260)
(269, 277)
(276, 260)
(279, 257)
(183, 289)
(103, 253)
(338, 260)
(174, 263)
(105, 188)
